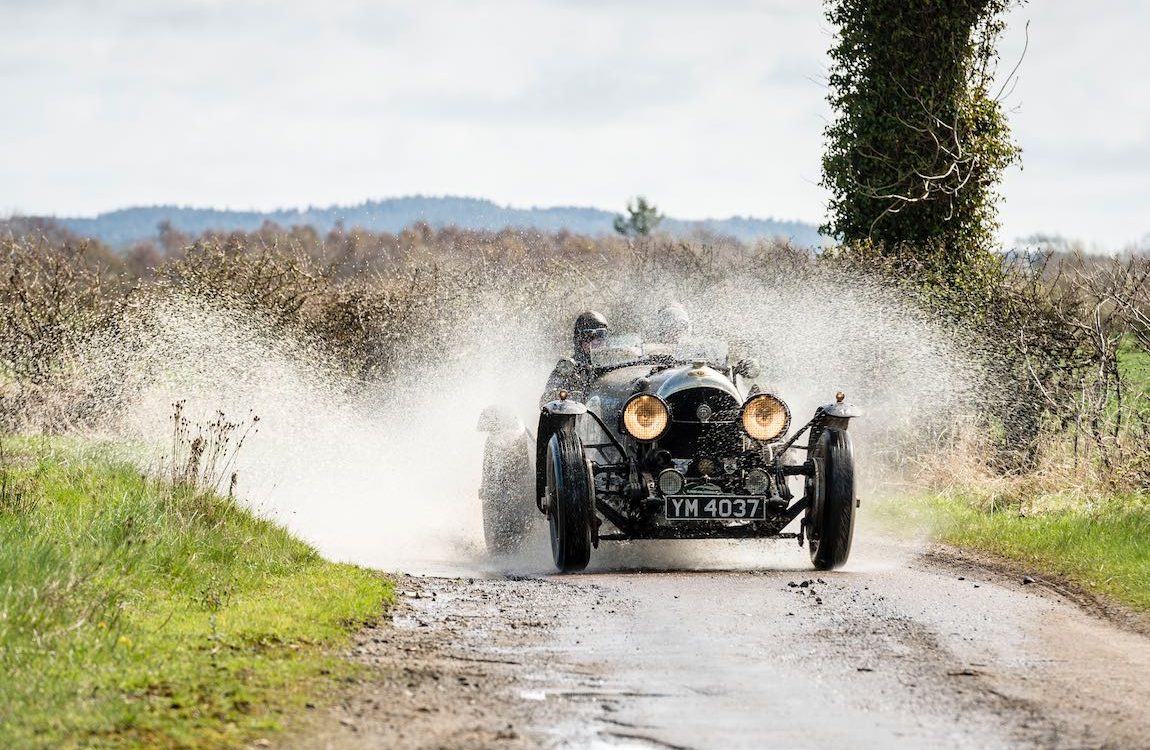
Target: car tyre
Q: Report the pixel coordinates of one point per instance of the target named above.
(506, 493)
(831, 519)
(569, 493)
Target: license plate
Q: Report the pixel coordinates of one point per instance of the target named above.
(715, 507)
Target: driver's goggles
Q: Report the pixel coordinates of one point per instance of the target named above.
(597, 338)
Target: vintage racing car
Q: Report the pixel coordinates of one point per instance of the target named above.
(669, 445)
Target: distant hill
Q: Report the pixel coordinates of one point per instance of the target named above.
(128, 225)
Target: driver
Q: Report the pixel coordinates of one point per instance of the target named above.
(573, 373)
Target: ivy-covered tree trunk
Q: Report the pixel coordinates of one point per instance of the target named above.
(919, 140)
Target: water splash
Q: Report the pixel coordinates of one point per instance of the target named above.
(387, 473)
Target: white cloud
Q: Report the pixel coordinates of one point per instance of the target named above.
(710, 109)
(1082, 116)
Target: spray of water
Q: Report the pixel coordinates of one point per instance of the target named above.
(387, 473)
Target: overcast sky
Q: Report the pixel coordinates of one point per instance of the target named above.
(710, 109)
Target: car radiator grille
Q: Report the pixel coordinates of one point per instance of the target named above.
(685, 405)
(688, 437)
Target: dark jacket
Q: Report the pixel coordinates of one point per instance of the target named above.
(571, 375)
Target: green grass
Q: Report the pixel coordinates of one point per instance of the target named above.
(1104, 548)
(1134, 364)
(135, 614)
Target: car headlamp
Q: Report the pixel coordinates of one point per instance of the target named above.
(766, 417)
(757, 482)
(670, 482)
(645, 417)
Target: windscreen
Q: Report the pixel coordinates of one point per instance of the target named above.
(630, 347)
(617, 350)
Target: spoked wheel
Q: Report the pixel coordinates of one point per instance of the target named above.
(831, 518)
(506, 493)
(569, 493)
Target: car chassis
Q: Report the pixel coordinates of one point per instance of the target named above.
(590, 472)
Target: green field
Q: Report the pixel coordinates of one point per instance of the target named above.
(1134, 367)
(138, 614)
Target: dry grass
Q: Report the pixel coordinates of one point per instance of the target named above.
(203, 456)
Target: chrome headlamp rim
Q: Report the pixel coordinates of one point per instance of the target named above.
(786, 416)
(627, 405)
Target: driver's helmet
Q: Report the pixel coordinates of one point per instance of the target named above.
(590, 331)
(672, 324)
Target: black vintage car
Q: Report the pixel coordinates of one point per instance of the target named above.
(669, 445)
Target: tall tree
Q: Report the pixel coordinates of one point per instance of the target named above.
(919, 140)
(642, 218)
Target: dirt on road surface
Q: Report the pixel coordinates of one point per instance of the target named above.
(901, 650)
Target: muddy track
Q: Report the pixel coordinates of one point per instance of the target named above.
(900, 650)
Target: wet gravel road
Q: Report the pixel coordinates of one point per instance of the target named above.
(901, 650)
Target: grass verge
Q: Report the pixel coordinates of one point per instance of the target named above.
(141, 614)
(1103, 546)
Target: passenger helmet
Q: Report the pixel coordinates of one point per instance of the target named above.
(672, 324)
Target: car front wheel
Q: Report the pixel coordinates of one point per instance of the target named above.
(831, 519)
(569, 499)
